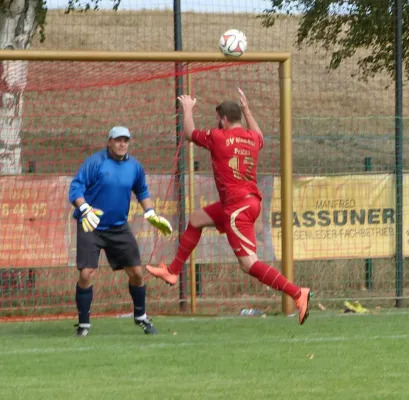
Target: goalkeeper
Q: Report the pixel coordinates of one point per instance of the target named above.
(101, 192)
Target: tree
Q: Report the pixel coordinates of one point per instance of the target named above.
(344, 26)
(20, 20)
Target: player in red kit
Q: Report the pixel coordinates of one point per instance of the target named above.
(234, 151)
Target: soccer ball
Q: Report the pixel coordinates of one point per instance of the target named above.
(233, 43)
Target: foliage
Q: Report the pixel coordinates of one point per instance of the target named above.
(78, 5)
(41, 12)
(73, 5)
(344, 26)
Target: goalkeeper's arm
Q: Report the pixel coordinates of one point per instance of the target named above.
(79, 202)
(89, 215)
(140, 188)
(157, 221)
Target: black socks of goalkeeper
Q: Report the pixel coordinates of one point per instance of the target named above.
(138, 297)
(83, 298)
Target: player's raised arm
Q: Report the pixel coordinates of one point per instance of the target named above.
(250, 121)
(187, 104)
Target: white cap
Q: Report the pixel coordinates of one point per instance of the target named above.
(119, 131)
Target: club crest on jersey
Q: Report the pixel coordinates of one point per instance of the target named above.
(229, 141)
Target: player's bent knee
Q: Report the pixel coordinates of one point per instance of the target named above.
(135, 275)
(86, 276)
(200, 219)
(246, 262)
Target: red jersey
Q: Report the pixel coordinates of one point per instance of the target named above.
(234, 160)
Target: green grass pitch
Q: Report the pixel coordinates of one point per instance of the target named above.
(332, 357)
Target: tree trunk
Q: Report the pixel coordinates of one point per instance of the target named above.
(17, 28)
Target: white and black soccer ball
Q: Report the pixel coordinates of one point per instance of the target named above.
(233, 43)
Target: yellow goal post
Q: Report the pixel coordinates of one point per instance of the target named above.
(286, 167)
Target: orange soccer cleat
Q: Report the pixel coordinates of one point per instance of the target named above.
(163, 273)
(302, 304)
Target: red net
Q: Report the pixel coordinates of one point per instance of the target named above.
(54, 115)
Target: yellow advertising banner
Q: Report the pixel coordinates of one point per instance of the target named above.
(350, 216)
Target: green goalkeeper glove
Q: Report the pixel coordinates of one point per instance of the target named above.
(158, 222)
(89, 216)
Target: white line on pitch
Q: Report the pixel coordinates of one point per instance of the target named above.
(324, 315)
(126, 347)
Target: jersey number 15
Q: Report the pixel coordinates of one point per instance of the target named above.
(234, 164)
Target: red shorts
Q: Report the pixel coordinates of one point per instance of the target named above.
(237, 222)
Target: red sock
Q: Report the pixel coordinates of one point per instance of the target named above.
(271, 277)
(187, 244)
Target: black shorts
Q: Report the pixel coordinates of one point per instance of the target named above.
(119, 245)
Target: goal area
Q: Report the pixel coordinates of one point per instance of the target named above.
(60, 111)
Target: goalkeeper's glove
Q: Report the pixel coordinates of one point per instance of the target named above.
(89, 216)
(158, 222)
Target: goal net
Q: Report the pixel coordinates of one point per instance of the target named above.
(61, 114)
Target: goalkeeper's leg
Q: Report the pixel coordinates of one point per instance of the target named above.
(88, 250)
(211, 215)
(83, 298)
(122, 252)
(137, 290)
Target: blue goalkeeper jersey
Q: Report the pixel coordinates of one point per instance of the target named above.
(107, 184)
